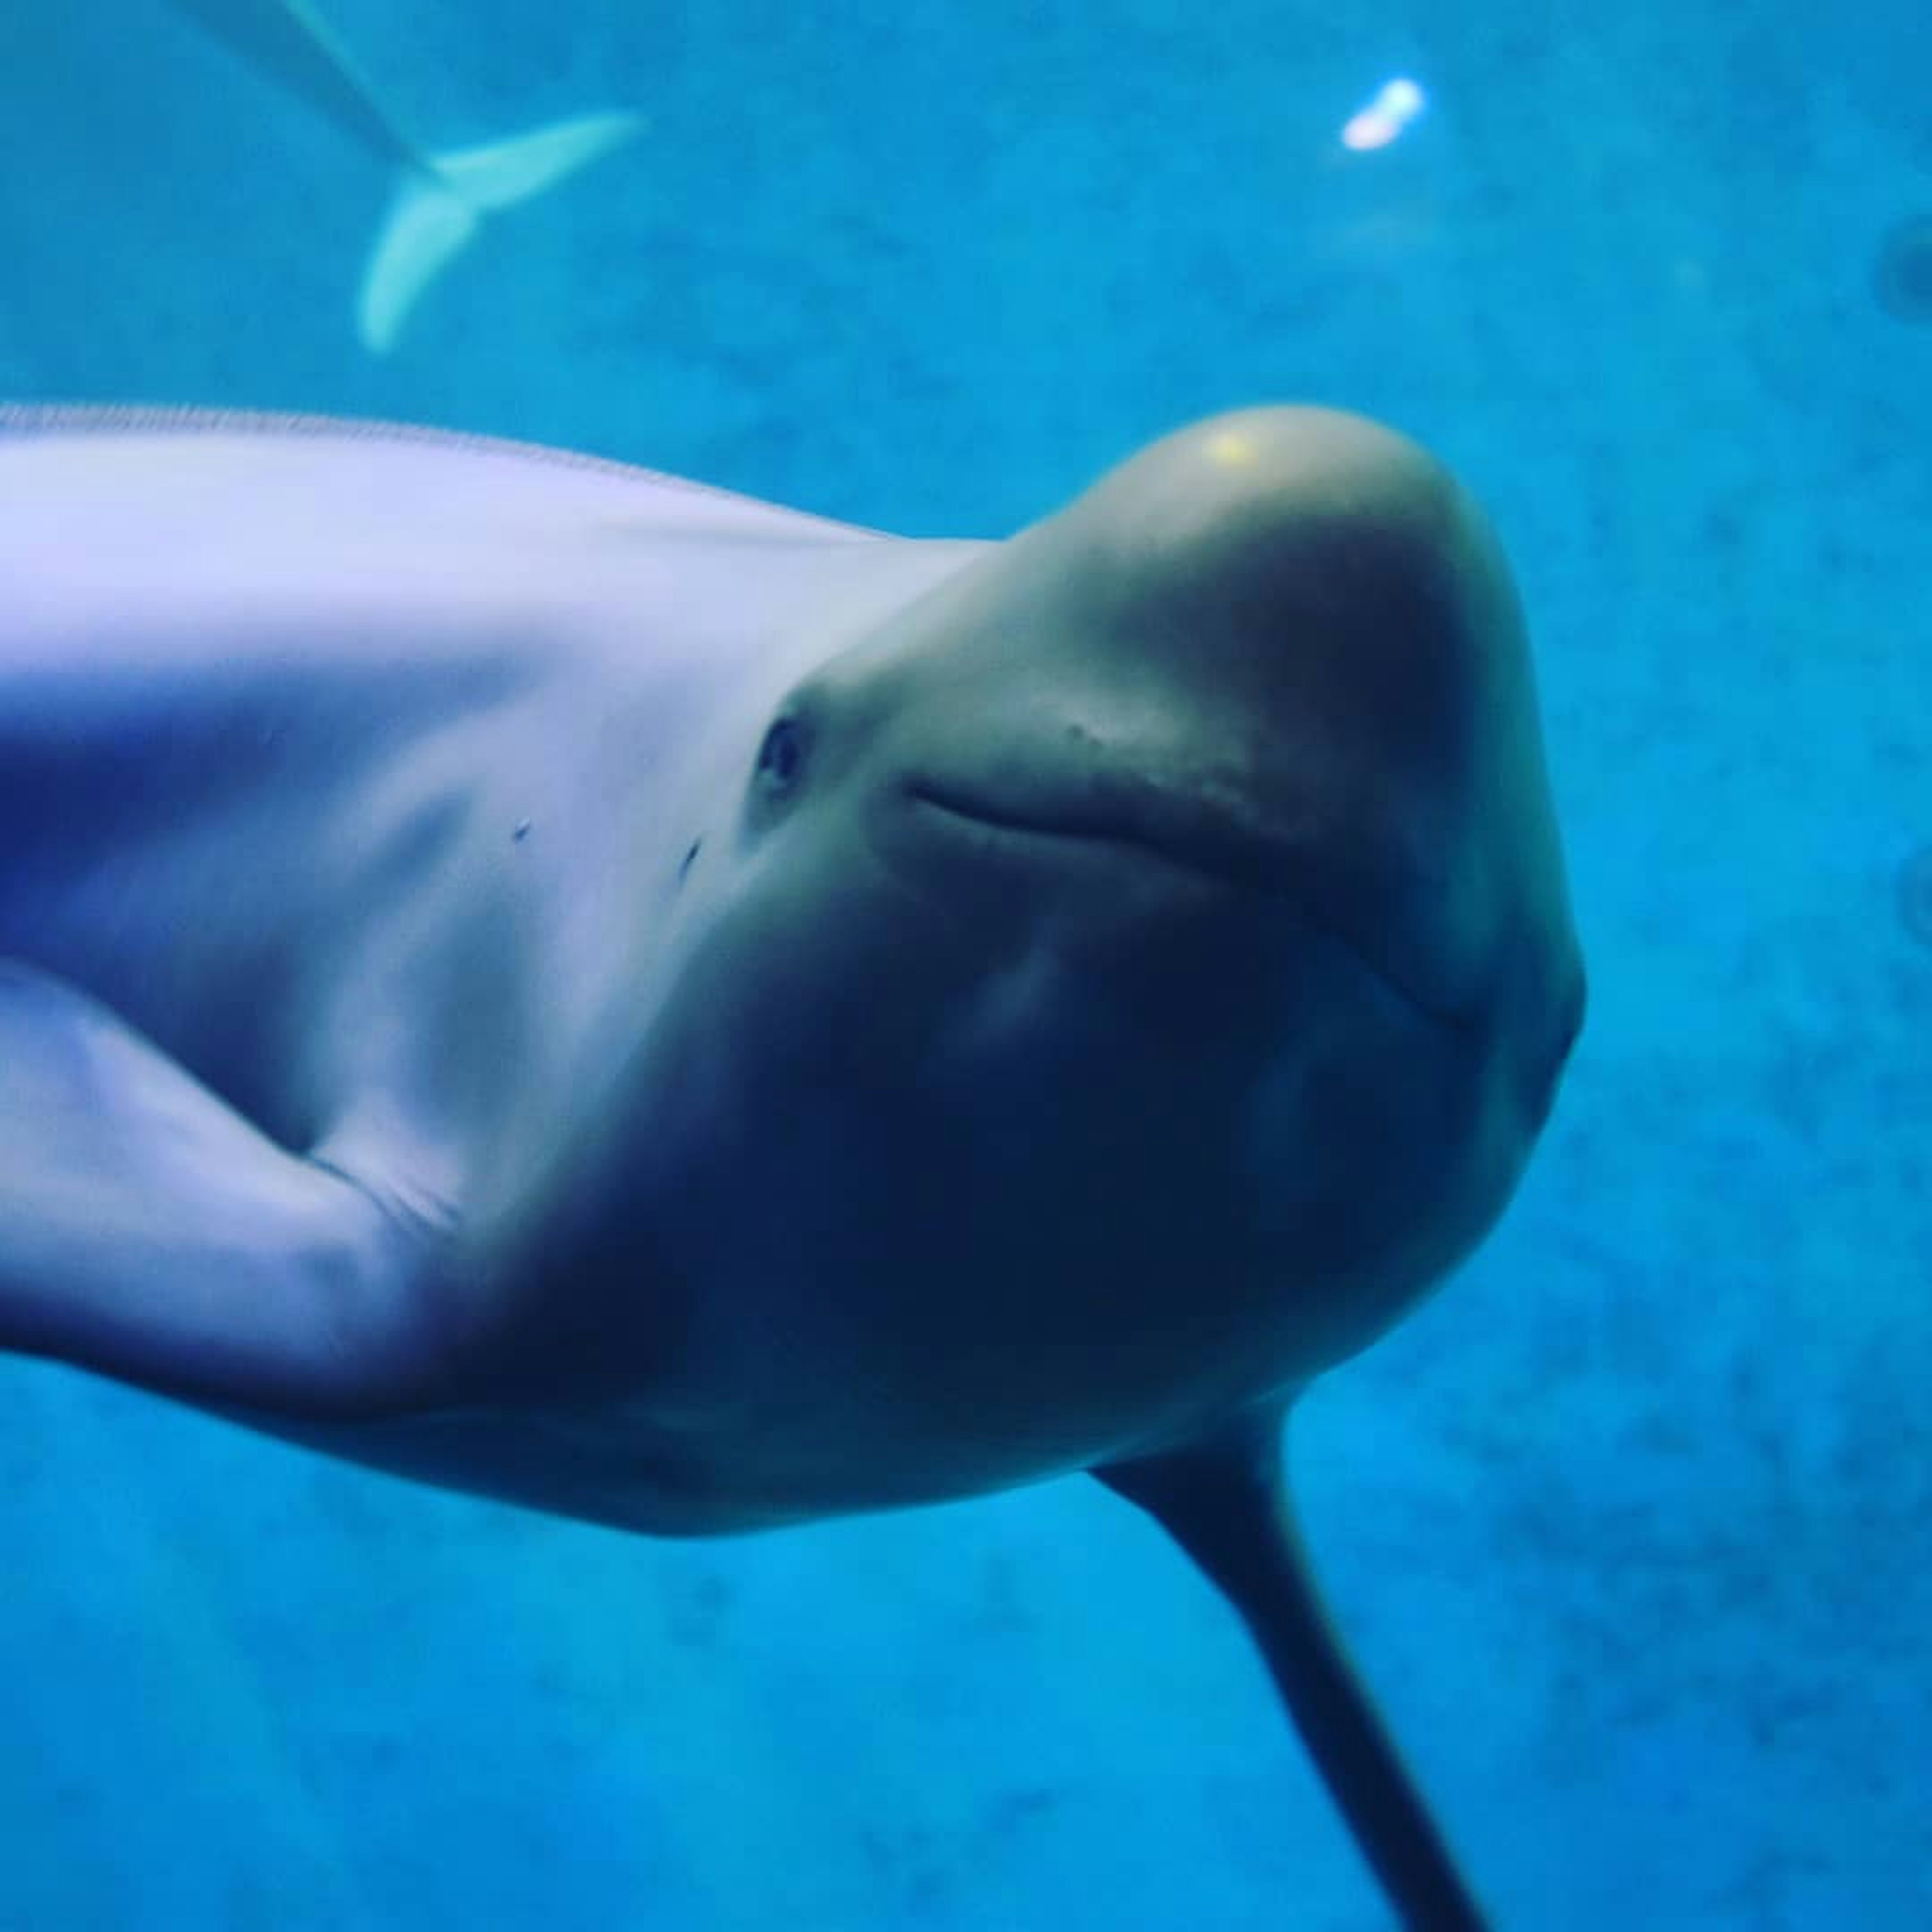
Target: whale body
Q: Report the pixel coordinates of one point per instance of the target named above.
(564, 983)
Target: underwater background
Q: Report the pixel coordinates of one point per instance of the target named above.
(1631, 1527)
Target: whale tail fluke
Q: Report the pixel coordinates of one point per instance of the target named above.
(441, 203)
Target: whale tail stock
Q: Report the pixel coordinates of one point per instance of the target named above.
(442, 200)
(1225, 1501)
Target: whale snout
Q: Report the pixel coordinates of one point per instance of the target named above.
(1280, 650)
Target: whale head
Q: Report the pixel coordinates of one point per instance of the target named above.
(1137, 969)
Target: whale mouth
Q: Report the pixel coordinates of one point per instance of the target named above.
(1201, 839)
(1212, 845)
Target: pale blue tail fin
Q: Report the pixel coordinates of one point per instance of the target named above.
(441, 205)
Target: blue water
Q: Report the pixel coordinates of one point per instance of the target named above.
(1632, 1527)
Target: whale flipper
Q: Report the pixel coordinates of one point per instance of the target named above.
(1225, 1502)
(441, 203)
(149, 1232)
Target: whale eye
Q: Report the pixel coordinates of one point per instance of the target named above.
(781, 758)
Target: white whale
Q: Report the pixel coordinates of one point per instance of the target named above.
(561, 983)
(442, 199)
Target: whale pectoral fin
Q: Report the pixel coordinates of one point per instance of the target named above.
(1225, 1501)
(150, 1233)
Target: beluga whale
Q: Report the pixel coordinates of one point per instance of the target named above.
(584, 989)
(440, 199)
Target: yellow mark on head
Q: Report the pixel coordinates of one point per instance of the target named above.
(1230, 449)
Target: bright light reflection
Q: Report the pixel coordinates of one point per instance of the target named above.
(1397, 103)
